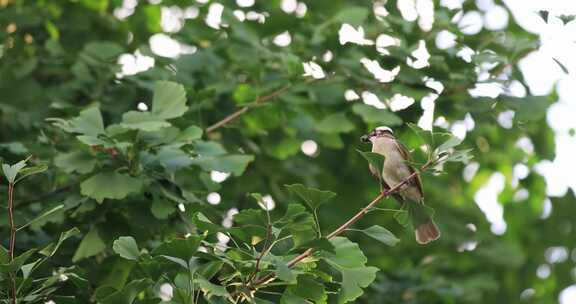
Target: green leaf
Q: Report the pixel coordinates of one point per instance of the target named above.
(351, 263)
(375, 160)
(128, 294)
(162, 209)
(451, 142)
(126, 247)
(355, 15)
(300, 223)
(78, 161)
(314, 198)
(42, 216)
(210, 289)
(244, 94)
(381, 234)
(90, 245)
(29, 171)
(144, 121)
(236, 164)
(310, 289)
(335, 123)
(179, 248)
(373, 115)
(283, 272)
(169, 100)
(17, 263)
(11, 171)
(89, 122)
(561, 65)
(529, 108)
(51, 249)
(190, 134)
(110, 185)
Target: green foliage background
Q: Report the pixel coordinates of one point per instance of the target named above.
(109, 199)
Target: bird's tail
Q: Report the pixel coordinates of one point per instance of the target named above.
(426, 230)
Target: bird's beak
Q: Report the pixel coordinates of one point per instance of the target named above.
(365, 138)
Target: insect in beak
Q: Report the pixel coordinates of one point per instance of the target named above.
(365, 138)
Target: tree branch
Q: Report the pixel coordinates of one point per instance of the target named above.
(350, 222)
(12, 237)
(259, 100)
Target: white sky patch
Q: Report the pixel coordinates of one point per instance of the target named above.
(452, 4)
(445, 40)
(425, 9)
(422, 56)
(213, 198)
(471, 23)
(470, 171)
(496, 18)
(218, 176)
(568, 295)
(441, 122)
(349, 34)
(556, 254)
(516, 89)
(467, 246)
(400, 102)
(240, 15)
(172, 19)
(328, 56)
(142, 107)
(543, 271)
(383, 41)
(313, 70)
(126, 10)
(214, 17)
(256, 16)
(289, 6)
(546, 209)
(382, 75)
(166, 292)
(466, 54)
(407, 9)
(427, 103)
(245, 3)
(351, 95)
(267, 203)
(282, 40)
(371, 99)
(132, 64)
(163, 45)
(309, 147)
(487, 200)
(191, 12)
(506, 119)
(379, 10)
(459, 129)
(301, 10)
(181, 207)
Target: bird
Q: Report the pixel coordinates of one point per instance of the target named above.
(395, 170)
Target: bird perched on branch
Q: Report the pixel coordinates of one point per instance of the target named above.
(397, 169)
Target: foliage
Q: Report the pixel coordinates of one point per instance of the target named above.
(119, 212)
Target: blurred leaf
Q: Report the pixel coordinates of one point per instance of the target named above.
(244, 94)
(77, 161)
(354, 15)
(126, 247)
(128, 294)
(51, 249)
(236, 164)
(314, 198)
(381, 234)
(210, 289)
(375, 161)
(169, 100)
(335, 123)
(42, 216)
(17, 263)
(351, 263)
(144, 121)
(110, 185)
(11, 171)
(90, 245)
(371, 115)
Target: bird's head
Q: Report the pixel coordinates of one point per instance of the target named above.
(381, 131)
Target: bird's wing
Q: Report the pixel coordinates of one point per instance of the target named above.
(406, 155)
(396, 195)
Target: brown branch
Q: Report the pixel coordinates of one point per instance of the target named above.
(258, 101)
(350, 222)
(262, 253)
(12, 237)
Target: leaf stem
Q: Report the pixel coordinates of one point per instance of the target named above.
(12, 237)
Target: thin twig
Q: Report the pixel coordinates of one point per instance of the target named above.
(12, 236)
(351, 221)
(46, 195)
(259, 100)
